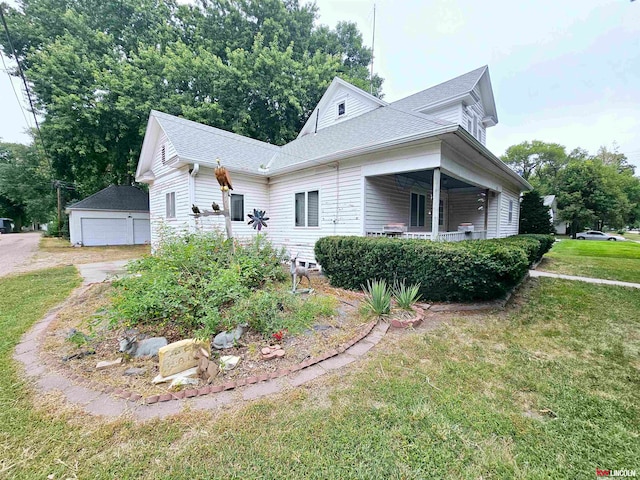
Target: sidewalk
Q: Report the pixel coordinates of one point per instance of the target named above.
(537, 273)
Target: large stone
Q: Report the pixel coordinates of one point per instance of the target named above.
(108, 364)
(179, 356)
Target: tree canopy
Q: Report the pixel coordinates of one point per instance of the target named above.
(253, 67)
(593, 191)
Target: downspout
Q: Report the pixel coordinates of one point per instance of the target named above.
(193, 172)
(335, 220)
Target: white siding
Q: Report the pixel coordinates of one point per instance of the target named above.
(492, 220)
(355, 105)
(254, 190)
(159, 169)
(173, 181)
(450, 113)
(509, 228)
(340, 191)
(477, 110)
(386, 203)
(463, 208)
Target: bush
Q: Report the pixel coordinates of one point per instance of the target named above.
(272, 310)
(377, 297)
(191, 277)
(457, 271)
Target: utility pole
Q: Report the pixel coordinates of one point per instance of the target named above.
(57, 184)
(373, 43)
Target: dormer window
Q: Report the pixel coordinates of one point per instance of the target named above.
(342, 108)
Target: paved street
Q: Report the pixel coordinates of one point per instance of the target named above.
(16, 249)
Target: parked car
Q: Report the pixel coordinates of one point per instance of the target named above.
(596, 235)
(6, 225)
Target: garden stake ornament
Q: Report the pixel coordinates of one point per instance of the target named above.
(298, 272)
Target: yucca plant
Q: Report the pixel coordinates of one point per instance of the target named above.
(377, 297)
(406, 295)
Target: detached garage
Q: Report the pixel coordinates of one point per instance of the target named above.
(117, 215)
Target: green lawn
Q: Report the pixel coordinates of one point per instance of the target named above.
(546, 391)
(609, 260)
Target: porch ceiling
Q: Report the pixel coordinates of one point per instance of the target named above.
(426, 176)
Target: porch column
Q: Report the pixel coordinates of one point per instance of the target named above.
(435, 206)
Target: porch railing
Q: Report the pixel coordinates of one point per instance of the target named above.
(442, 236)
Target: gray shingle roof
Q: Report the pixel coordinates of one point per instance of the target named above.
(115, 197)
(451, 88)
(201, 143)
(377, 126)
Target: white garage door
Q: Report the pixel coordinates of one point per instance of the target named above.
(141, 231)
(104, 231)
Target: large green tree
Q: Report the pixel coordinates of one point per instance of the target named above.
(26, 191)
(254, 67)
(534, 215)
(536, 161)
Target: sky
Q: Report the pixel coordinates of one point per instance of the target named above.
(565, 71)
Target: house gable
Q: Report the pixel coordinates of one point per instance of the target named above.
(342, 101)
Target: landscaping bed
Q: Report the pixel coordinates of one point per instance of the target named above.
(88, 315)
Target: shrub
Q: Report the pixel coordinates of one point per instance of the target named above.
(272, 310)
(406, 295)
(458, 271)
(377, 297)
(190, 277)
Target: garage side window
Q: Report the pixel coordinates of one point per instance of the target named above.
(510, 211)
(170, 199)
(237, 207)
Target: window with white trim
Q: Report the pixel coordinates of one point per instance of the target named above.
(307, 209)
(510, 211)
(342, 108)
(170, 203)
(236, 207)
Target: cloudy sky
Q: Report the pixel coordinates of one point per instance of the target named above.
(565, 71)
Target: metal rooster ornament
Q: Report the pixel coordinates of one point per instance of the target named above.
(258, 219)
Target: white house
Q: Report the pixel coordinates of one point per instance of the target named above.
(559, 226)
(116, 215)
(417, 167)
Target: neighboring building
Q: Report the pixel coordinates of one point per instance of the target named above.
(117, 215)
(417, 168)
(559, 226)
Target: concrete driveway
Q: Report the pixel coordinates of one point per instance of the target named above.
(16, 249)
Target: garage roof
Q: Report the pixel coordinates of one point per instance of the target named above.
(116, 198)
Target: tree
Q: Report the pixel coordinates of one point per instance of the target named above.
(537, 162)
(254, 67)
(534, 215)
(26, 193)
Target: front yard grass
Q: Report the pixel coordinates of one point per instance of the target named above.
(546, 390)
(608, 260)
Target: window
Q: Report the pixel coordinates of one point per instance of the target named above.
(237, 208)
(163, 154)
(307, 209)
(170, 199)
(342, 108)
(510, 211)
(418, 202)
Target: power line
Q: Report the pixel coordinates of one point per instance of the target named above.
(15, 92)
(24, 81)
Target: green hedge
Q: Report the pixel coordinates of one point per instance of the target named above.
(458, 271)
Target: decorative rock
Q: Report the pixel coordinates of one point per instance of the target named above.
(229, 362)
(135, 372)
(179, 356)
(179, 381)
(192, 372)
(108, 364)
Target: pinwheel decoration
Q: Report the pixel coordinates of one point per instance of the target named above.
(258, 219)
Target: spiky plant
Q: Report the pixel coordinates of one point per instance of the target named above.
(377, 297)
(406, 295)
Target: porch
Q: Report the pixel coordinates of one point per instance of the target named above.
(429, 205)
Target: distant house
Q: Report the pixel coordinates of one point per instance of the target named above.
(117, 215)
(415, 168)
(559, 225)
